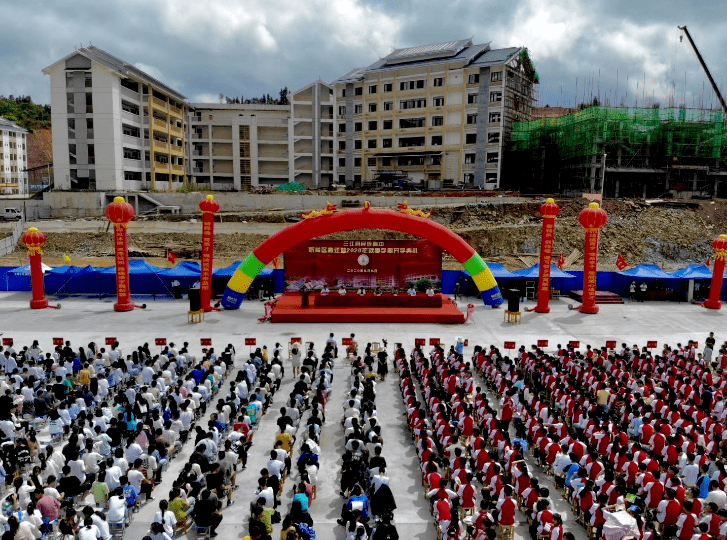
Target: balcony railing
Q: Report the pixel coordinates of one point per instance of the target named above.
(175, 129)
(161, 145)
(175, 110)
(197, 170)
(177, 168)
(160, 123)
(159, 102)
(161, 165)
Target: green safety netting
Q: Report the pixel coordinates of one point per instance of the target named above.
(291, 187)
(680, 132)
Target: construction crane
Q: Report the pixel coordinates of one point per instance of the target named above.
(704, 66)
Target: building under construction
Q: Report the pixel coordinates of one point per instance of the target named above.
(621, 152)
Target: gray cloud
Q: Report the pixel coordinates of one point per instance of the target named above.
(246, 47)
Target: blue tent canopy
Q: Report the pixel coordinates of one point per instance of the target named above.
(71, 280)
(693, 271)
(499, 271)
(183, 269)
(647, 271)
(25, 270)
(144, 278)
(534, 272)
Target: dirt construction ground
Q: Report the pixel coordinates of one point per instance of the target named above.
(507, 233)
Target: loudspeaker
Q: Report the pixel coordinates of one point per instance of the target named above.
(513, 300)
(195, 302)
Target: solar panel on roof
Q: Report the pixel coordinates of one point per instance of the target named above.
(423, 52)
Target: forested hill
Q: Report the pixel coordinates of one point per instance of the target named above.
(24, 112)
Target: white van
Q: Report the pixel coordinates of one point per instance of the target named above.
(9, 214)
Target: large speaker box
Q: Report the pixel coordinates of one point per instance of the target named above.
(513, 300)
(195, 302)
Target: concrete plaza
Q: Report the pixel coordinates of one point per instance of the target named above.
(82, 321)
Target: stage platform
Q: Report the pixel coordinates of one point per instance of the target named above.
(602, 297)
(288, 308)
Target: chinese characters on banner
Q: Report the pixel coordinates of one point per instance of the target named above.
(549, 210)
(122, 265)
(208, 246)
(367, 263)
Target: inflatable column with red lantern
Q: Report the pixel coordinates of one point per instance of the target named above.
(120, 213)
(34, 240)
(592, 219)
(208, 206)
(549, 210)
(720, 246)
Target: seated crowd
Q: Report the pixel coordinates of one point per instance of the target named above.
(631, 437)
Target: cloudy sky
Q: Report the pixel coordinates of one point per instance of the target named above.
(625, 50)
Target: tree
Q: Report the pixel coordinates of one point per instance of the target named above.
(283, 96)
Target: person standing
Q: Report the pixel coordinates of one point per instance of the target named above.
(632, 291)
(457, 291)
(643, 289)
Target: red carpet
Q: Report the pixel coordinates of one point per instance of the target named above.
(288, 309)
(602, 297)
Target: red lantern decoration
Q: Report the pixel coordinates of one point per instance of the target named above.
(208, 206)
(549, 210)
(592, 219)
(720, 247)
(34, 240)
(120, 213)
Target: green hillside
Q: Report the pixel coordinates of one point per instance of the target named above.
(24, 112)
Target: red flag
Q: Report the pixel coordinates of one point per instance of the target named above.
(276, 262)
(171, 257)
(561, 262)
(708, 263)
(621, 262)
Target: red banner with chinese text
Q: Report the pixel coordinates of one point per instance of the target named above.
(362, 263)
(208, 249)
(121, 253)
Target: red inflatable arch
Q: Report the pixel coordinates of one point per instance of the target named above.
(364, 218)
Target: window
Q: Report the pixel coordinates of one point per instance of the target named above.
(493, 157)
(70, 108)
(495, 117)
(371, 162)
(437, 120)
(421, 83)
(89, 102)
(406, 142)
(132, 175)
(91, 155)
(130, 108)
(373, 125)
(358, 126)
(343, 92)
(131, 131)
(372, 89)
(357, 162)
(436, 140)
(412, 103)
(388, 105)
(495, 96)
(388, 87)
(471, 118)
(342, 145)
(473, 79)
(469, 158)
(71, 128)
(386, 162)
(438, 101)
(357, 109)
(342, 128)
(72, 154)
(342, 162)
(412, 85)
(438, 81)
(470, 138)
(358, 91)
(469, 178)
(342, 110)
(471, 98)
(357, 145)
(388, 124)
(406, 123)
(406, 161)
(88, 80)
(491, 178)
(131, 153)
(371, 143)
(435, 160)
(372, 107)
(385, 143)
(496, 76)
(493, 137)
(341, 178)
(89, 128)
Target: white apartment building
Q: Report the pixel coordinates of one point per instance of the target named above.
(313, 135)
(13, 158)
(233, 147)
(114, 126)
(433, 116)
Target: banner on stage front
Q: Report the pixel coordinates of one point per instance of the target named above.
(362, 263)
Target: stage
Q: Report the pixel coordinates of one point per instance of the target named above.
(386, 308)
